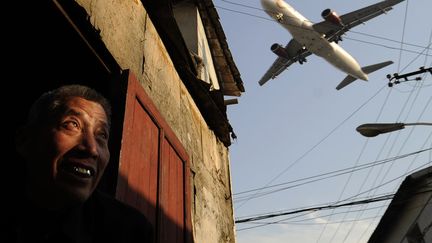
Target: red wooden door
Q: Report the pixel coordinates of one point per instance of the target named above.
(153, 168)
(172, 196)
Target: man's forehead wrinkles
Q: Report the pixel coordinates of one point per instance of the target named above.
(99, 121)
(72, 111)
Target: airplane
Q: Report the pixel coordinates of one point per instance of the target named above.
(321, 39)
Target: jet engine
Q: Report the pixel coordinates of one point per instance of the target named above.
(332, 17)
(279, 50)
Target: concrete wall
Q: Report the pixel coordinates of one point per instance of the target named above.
(130, 36)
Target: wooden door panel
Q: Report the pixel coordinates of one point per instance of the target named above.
(154, 168)
(139, 163)
(172, 195)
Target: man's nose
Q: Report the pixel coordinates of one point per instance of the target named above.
(89, 144)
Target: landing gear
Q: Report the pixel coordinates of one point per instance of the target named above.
(301, 59)
(339, 38)
(279, 17)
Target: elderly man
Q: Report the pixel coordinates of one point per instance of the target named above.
(64, 146)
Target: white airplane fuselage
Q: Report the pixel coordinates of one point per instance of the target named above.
(302, 31)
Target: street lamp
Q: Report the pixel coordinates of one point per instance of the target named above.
(374, 129)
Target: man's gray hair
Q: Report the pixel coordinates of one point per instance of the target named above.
(49, 103)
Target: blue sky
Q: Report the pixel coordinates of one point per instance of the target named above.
(298, 125)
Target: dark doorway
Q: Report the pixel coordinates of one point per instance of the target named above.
(49, 43)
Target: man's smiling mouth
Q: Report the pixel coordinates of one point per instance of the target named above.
(77, 169)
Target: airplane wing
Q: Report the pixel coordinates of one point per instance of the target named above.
(295, 52)
(352, 19)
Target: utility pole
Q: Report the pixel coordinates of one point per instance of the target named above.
(396, 78)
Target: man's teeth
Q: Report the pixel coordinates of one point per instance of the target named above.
(82, 170)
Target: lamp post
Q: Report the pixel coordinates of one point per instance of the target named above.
(374, 129)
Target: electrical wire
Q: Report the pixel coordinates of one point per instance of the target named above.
(387, 39)
(385, 197)
(334, 222)
(267, 216)
(403, 34)
(262, 224)
(369, 172)
(322, 176)
(392, 48)
(388, 170)
(409, 111)
(310, 206)
(316, 145)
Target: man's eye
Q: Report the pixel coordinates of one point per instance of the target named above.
(70, 125)
(103, 135)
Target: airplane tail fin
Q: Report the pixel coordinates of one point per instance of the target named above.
(347, 80)
(368, 69)
(374, 67)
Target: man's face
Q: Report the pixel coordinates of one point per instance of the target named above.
(66, 158)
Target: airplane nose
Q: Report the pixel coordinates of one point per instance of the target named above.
(267, 4)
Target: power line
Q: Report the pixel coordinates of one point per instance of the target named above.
(333, 214)
(370, 171)
(306, 211)
(420, 85)
(407, 171)
(331, 206)
(409, 111)
(327, 175)
(403, 33)
(387, 39)
(333, 222)
(282, 221)
(316, 145)
(304, 221)
(392, 48)
(387, 182)
(243, 5)
(309, 206)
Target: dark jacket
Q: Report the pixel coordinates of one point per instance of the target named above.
(100, 219)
